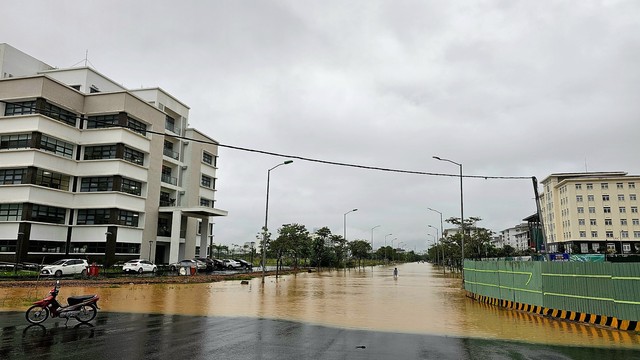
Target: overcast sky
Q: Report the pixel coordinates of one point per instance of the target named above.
(507, 88)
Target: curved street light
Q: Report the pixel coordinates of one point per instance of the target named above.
(442, 236)
(461, 212)
(266, 221)
(345, 223)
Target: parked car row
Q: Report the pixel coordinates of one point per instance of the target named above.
(81, 266)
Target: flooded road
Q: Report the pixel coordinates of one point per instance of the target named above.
(420, 301)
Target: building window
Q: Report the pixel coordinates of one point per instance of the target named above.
(100, 152)
(52, 180)
(634, 209)
(206, 202)
(620, 197)
(632, 197)
(606, 222)
(580, 210)
(580, 221)
(635, 221)
(137, 126)
(10, 212)
(583, 234)
(207, 158)
(128, 218)
(595, 246)
(131, 187)
(605, 197)
(133, 156)
(11, 176)
(127, 248)
(624, 234)
(619, 186)
(589, 186)
(96, 184)
(578, 186)
(20, 108)
(626, 248)
(590, 198)
(604, 186)
(205, 181)
(102, 121)
(636, 234)
(609, 234)
(592, 221)
(622, 209)
(48, 214)
(93, 216)
(58, 113)
(578, 198)
(594, 234)
(632, 185)
(607, 210)
(592, 210)
(58, 147)
(623, 222)
(17, 141)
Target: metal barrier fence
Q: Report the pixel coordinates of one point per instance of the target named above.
(605, 289)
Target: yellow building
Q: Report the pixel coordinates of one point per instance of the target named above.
(592, 212)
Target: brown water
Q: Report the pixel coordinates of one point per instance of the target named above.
(421, 300)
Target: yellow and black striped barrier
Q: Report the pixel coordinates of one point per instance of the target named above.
(594, 319)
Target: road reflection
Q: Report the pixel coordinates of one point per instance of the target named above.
(420, 301)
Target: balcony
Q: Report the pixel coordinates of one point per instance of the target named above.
(167, 202)
(172, 127)
(169, 179)
(170, 153)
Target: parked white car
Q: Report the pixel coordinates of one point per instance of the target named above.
(140, 266)
(66, 267)
(231, 264)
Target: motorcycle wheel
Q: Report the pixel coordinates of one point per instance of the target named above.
(87, 313)
(37, 314)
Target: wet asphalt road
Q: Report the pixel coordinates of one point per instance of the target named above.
(140, 336)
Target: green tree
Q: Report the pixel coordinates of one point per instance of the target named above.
(295, 241)
(359, 250)
(320, 252)
(340, 249)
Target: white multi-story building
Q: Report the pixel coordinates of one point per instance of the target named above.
(593, 211)
(91, 169)
(517, 237)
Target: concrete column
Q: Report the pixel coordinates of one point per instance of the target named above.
(174, 248)
(204, 237)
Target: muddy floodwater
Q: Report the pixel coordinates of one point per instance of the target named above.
(420, 300)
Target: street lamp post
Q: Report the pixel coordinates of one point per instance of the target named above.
(436, 243)
(150, 243)
(441, 236)
(385, 247)
(345, 222)
(372, 249)
(266, 221)
(461, 212)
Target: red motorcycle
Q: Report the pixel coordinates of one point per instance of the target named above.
(83, 308)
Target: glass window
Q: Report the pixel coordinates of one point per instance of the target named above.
(592, 221)
(632, 185)
(128, 218)
(207, 158)
(619, 186)
(605, 197)
(620, 197)
(131, 186)
(589, 186)
(102, 121)
(592, 210)
(10, 212)
(607, 210)
(623, 222)
(624, 234)
(635, 221)
(580, 210)
(634, 209)
(133, 156)
(205, 202)
(205, 181)
(16, 141)
(48, 214)
(578, 186)
(93, 216)
(609, 234)
(100, 152)
(137, 126)
(58, 113)
(606, 222)
(579, 198)
(622, 209)
(58, 147)
(97, 183)
(636, 234)
(52, 180)
(583, 234)
(20, 108)
(590, 197)
(594, 234)
(11, 176)
(632, 197)
(580, 221)
(604, 186)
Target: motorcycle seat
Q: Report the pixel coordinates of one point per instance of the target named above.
(72, 300)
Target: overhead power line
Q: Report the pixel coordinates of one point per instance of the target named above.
(298, 157)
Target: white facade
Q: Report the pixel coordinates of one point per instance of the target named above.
(91, 169)
(595, 212)
(516, 237)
